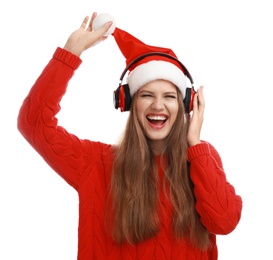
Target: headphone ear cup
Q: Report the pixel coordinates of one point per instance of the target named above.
(116, 98)
(122, 98)
(188, 100)
(127, 97)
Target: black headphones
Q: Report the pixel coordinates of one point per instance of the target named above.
(122, 98)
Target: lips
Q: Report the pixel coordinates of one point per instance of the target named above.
(157, 120)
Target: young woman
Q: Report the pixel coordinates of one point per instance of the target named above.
(161, 193)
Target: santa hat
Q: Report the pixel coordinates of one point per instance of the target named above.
(151, 67)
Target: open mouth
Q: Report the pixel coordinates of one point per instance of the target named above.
(157, 120)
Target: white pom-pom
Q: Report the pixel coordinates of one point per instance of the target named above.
(100, 20)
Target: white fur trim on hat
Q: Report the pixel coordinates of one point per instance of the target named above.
(153, 70)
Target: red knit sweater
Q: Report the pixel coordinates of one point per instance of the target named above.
(86, 166)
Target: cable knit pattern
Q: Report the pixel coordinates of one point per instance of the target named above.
(86, 166)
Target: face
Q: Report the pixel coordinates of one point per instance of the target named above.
(157, 108)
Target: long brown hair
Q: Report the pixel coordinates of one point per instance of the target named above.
(134, 185)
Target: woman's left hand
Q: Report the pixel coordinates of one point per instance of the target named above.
(196, 119)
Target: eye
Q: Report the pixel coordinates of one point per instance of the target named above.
(171, 96)
(146, 95)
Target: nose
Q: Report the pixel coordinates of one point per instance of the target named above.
(158, 103)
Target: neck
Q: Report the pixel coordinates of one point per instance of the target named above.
(158, 146)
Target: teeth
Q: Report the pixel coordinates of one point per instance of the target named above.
(157, 117)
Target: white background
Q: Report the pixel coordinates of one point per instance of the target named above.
(227, 47)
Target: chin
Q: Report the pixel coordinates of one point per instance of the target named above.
(157, 137)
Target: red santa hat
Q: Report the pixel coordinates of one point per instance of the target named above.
(151, 67)
(147, 69)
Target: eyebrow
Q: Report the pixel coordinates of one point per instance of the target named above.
(171, 92)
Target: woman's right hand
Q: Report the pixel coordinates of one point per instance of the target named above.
(84, 38)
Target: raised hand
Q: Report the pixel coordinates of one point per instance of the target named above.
(85, 37)
(196, 119)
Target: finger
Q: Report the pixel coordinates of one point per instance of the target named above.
(201, 92)
(101, 32)
(200, 103)
(84, 23)
(201, 95)
(89, 28)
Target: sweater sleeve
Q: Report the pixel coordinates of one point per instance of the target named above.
(64, 152)
(217, 203)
